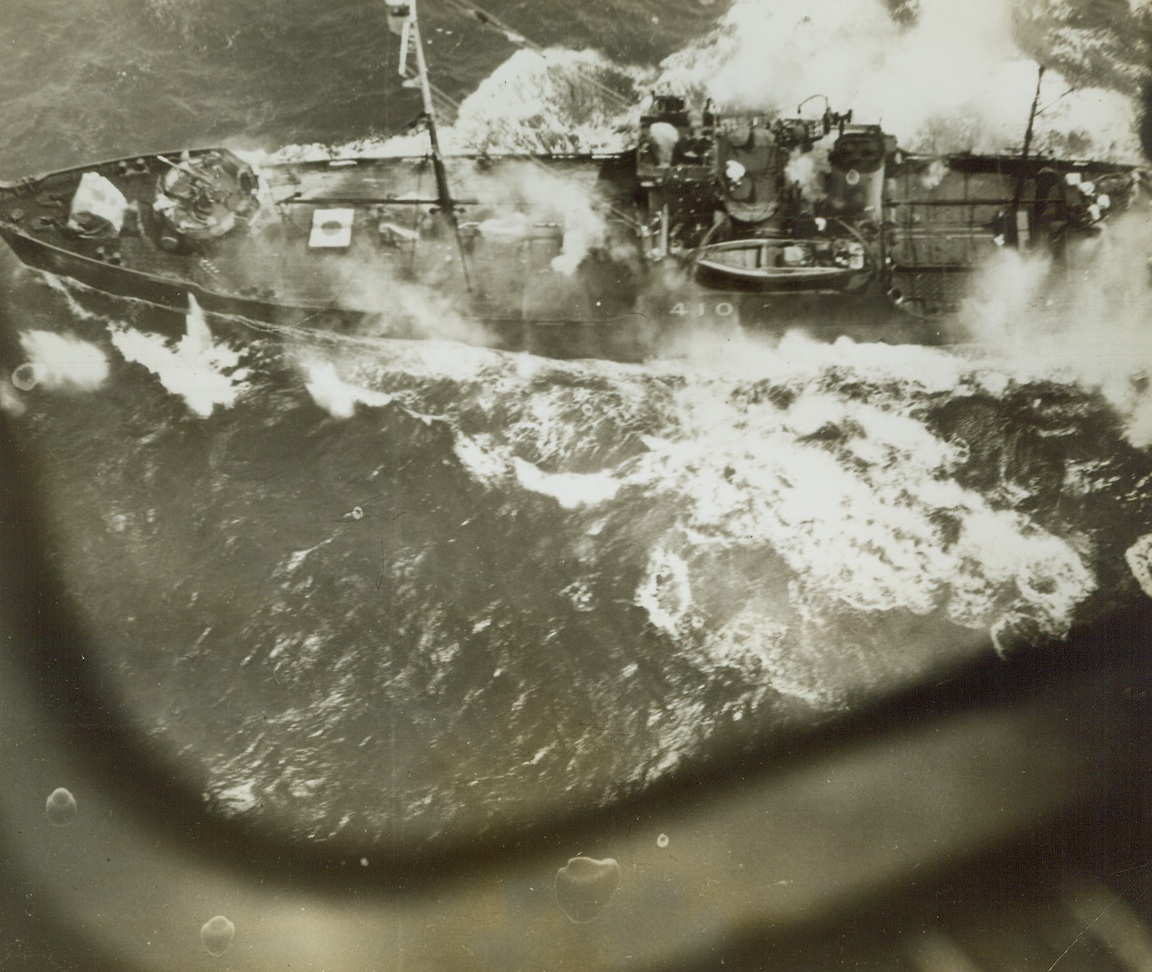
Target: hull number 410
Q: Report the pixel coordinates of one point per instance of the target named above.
(703, 309)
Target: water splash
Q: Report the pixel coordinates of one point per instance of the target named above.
(1139, 560)
(204, 373)
(555, 100)
(1084, 322)
(336, 396)
(63, 362)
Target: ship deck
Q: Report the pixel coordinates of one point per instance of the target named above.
(515, 217)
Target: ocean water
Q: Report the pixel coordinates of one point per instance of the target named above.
(378, 599)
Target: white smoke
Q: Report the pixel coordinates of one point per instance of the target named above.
(433, 309)
(552, 197)
(955, 80)
(809, 169)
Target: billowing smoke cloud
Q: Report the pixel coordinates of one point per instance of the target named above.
(954, 80)
(584, 227)
(944, 76)
(809, 169)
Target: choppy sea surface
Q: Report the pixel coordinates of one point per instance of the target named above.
(407, 591)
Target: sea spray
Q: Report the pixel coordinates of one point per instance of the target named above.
(570, 490)
(953, 79)
(659, 556)
(204, 373)
(1086, 320)
(553, 100)
(941, 76)
(197, 340)
(63, 362)
(547, 100)
(336, 396)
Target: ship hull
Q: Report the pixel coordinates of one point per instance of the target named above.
(668, 320)
(126, 282)
(348, 246)
(628, 337)
(270, 276)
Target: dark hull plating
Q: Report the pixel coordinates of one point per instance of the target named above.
(503, 272)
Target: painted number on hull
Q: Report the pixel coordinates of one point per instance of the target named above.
(720, 309)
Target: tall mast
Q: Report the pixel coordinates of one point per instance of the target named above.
(402, 20)
(1020, 225)
(1032, 114)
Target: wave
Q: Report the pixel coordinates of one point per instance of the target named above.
(748, 535)
(823, 459)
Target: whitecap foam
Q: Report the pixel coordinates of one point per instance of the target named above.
(1139, 560)
(570, 490)
(849, 495)
(665, 593)
(483, 462)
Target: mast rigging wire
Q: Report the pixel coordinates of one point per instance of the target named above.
(492, 21)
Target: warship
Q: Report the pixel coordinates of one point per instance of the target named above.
(708, 217)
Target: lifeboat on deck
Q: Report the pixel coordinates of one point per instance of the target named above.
(833, 258)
